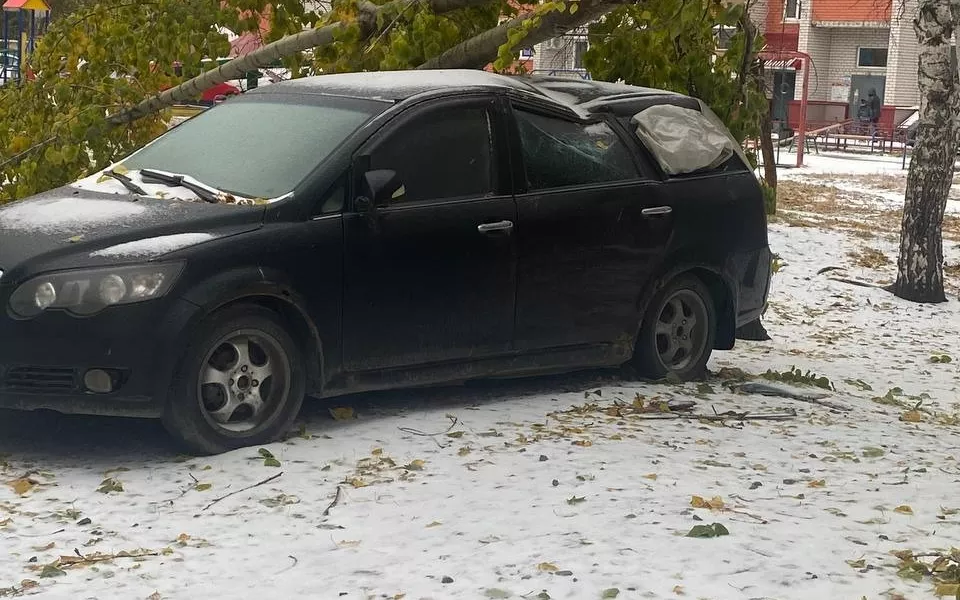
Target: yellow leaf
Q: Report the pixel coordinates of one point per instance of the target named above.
(377, 451)
(357, 482)
(183, 538)
(348, 543)
(715, 503)
(435, 524)
(22, 486)
(858, 564)
(547, 567)
(344, 413)
(903, 509)
(912, 416)
(415, 465)
(818, 483)
(122, 170)
(651, 476)
(463, 451)
(947, 589)
(583, 443)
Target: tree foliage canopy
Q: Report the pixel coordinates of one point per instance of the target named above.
(671, 44)
(106, 56)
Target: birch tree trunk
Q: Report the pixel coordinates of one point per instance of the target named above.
(920, 266)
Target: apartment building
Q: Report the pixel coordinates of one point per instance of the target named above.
(854, 45)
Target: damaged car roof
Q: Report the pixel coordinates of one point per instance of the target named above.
(394, 86)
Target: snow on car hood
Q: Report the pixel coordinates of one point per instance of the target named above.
(67, 227)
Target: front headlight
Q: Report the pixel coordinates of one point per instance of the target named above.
(88, 291)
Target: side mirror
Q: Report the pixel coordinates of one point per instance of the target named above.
(378, 188)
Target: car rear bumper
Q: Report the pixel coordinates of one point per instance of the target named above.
(43, 361)
(753, 272)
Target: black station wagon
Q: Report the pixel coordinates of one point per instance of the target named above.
(355, 232)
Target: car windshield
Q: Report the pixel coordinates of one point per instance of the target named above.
(258, 147)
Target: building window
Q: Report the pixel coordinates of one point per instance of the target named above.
(722, 36)
(579, 49)
(791, 9)
(872, 57)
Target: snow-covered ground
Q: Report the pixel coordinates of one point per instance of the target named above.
(562, 487)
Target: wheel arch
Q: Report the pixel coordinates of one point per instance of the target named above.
(722, 295)
(267, 289)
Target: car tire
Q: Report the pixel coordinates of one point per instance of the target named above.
(217, 400)
(678, 332)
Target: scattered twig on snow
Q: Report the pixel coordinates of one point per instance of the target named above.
(249, 487)
(866, 284)
(433, 436)
(336, 500)
(828, 269)
(453, 423)
(724, 416)
(765, 389)
(69, 561)
(295, 562)
(37, 535)
(949, 472)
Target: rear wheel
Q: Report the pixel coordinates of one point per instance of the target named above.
(678, 331)
(240, 382)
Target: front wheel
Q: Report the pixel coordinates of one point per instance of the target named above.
(240, 382)
(678, 332)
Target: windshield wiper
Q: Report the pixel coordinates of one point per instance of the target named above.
(180, 181)
(126, 181)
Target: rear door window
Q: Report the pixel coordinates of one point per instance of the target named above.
(559, 153)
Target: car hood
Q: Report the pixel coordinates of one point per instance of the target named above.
(69, 227)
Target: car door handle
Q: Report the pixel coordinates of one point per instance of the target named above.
(656, 211)
(494, 227)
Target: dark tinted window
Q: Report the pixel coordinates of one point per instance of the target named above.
(442, 154)
(558, 153)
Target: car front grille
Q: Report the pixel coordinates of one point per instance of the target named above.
(39, 379)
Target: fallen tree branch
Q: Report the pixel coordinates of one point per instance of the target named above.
(336, 500)
(81, 559)
(724, 416)
(479, 50)
(370, 17)
(249, 487)
(765, 389)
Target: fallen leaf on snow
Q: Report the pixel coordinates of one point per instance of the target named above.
(110, 485)
(435, 524)
(415, 465)
(610, 593)
(22, 485)
(651, 476)
(903, 509)
(912, 416)
(947, 589)
(547, 567)
(708, 531)
(678, 590)
(52, 570)
(576, 500)
(154, 596)
(715, 503)
(817, 483)
(583, 443)
(344, 413)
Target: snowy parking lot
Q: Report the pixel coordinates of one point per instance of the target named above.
(579, 486)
